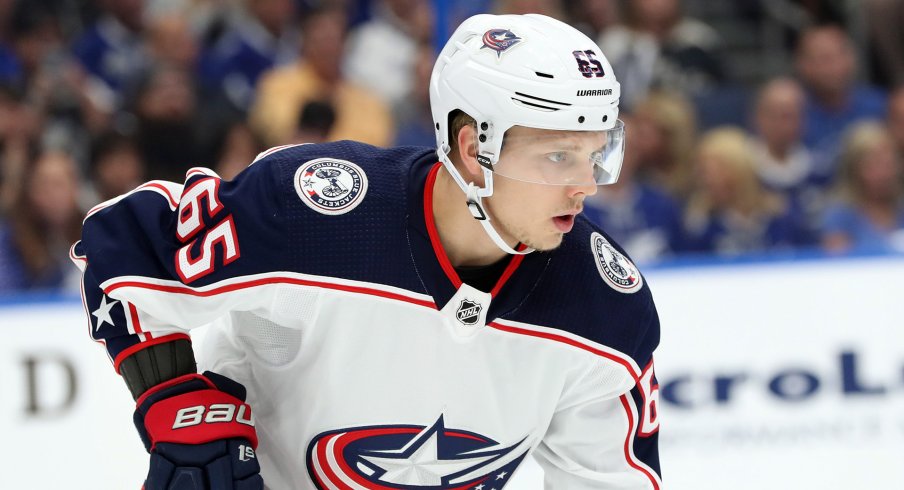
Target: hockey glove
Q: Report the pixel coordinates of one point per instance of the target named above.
(200, 434)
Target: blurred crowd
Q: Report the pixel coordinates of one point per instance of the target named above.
(98, 96)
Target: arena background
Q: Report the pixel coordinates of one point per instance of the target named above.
(779, 368)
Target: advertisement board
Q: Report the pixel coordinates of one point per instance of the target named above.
(785, 375)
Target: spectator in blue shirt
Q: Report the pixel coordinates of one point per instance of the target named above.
(730, 212)
(261, 35)
(112, 50)
(782, 162)
(827, 65)
(868, 214)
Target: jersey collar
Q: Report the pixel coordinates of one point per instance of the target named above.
(436, 271)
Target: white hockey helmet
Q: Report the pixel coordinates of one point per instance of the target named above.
(524, 70)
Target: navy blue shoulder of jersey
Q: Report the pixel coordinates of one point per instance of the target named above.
(231, 225)
(364, 240)
(573, 295)
(263, 221)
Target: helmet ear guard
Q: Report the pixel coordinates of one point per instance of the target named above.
(485, 139)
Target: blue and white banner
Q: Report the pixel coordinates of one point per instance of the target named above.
(782, 375)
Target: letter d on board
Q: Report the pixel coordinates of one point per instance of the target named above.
(45, 375)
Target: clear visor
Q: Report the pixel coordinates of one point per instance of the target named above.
(543, 156)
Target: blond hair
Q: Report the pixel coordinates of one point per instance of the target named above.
(731, 146)
(859, 140)
(675, 116)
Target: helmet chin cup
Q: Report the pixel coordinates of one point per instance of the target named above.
(475, 203)
(475, 206)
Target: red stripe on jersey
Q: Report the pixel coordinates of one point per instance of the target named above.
(464, 435)
(136, 323)
(128, 351)
(571, 342)
(74, 257)
(324, 463)
(629, 454)
(509, 270)
(440, 252)
(173, 203)
(265, 281)
(431, 229)
(172, 200)
(370, 291)
(199, 171)
(317, 466)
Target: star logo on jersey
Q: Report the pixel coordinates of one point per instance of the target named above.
(410, 456)
(468, 312)
(499, 40)
(617, 270)
(102, 313)
(330, 186)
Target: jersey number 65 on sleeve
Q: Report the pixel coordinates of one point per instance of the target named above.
(190, 223)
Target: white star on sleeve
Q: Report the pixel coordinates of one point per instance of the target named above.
(102, 313)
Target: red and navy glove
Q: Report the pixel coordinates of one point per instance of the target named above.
(200, 434)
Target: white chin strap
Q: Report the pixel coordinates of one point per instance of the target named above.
(475, 206)
(475, 197)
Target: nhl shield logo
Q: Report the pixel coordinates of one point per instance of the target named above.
(468, 312)
(617, 270)
(330, 186)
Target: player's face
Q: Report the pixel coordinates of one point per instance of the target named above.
(538, 215)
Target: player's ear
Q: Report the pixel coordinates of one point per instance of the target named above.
(467, 153)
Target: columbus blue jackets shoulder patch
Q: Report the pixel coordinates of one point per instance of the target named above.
(330, 186)
(617, 270)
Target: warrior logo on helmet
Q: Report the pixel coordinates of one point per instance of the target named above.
(500, 40)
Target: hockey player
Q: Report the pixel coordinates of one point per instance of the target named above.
(400, 318)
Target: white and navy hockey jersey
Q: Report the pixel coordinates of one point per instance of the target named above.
(369, 364)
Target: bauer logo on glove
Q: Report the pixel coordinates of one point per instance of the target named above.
(219, 412)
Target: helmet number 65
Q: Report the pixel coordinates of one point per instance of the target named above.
(588, 65)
